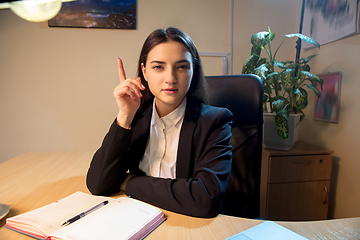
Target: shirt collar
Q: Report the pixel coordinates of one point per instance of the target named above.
(172, 119)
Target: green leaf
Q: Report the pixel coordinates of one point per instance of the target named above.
(312, 87)
(301, 97)
(304, 38)
(293, 65)
(261, 62)
(278, 105)
(256, 50)
(307, 59)
(261, 70)
(258, 39)
(287, 79)
(313, 77)
(301, 76)
(249, 64)
(281, 121)
(271, 36)
(272, 74)
(267, 88)
(268, 65)
(273, 78)
(305, 68)
(280, 65)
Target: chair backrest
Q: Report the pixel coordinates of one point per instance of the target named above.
(243, 96)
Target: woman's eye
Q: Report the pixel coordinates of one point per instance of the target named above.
(157, 67)
(183, 67)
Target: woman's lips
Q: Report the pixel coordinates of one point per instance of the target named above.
(170, 90)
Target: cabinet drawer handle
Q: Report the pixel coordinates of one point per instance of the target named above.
(303, 162)
(326, 194)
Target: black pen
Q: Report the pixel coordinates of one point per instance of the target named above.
(83, 214)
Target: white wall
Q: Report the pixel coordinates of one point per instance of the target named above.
(56, 84)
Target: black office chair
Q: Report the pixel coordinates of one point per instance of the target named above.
(243, 96)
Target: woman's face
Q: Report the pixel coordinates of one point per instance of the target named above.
(168, 71)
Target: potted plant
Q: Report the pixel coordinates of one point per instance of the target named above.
(284, 85)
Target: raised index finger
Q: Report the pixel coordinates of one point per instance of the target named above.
(122, 75)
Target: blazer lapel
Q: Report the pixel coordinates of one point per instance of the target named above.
(184, 163)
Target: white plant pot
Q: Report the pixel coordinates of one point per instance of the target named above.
(271, 138)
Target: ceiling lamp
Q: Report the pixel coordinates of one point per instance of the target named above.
(35, 10)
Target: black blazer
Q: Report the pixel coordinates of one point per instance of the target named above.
(202, 169)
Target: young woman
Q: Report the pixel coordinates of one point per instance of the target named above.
(166, 147)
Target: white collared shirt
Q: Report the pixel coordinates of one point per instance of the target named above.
(160, 155)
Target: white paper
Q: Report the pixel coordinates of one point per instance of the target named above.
(267, 230)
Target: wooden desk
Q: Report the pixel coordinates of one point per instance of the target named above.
(33, 180)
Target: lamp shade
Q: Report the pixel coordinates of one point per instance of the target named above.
(35, 10)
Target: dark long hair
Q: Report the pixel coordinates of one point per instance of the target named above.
(198, 88)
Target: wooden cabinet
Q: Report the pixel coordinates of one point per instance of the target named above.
(295, 184)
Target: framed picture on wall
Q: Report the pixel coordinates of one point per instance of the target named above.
(328, 21)
(112, 14)
(327, 107)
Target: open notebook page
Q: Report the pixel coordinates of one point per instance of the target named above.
(114, 221)
(49, 218)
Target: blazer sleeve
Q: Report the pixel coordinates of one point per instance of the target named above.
(201, 194)
(108, 167)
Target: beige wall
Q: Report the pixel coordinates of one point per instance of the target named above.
(343, 138)
(56, 84)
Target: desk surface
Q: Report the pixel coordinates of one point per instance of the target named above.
(32, 180)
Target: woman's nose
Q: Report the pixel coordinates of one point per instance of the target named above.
(171, 76)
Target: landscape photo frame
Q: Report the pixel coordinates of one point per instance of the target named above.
(108, 14)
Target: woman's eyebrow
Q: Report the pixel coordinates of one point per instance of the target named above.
(162, 62)
(158, 62)
(183, 61)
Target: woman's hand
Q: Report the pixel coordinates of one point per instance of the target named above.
(127, 95)
(123, 184)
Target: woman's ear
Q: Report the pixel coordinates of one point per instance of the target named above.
(143, 71)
